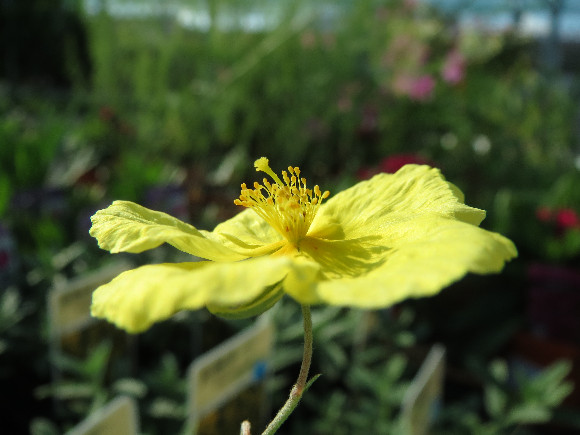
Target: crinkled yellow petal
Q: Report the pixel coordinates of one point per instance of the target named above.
(249, 233)
(372, 207)
(302, 280)
(436, 253)
(128, 227)
(140, 297)
(344, 258)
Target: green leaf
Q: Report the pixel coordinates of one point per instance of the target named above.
(495, 400)
(43, 426)
(130, 386)
(166, 408)
(529, 413)
(96, 363)
(556, 395)
(549, 387)
(5, 193)
(395, 367)
(65, 391)
(499, 370)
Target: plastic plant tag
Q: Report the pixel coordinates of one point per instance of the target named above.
(230, 376)
(119, 417)
(70, 304)
(75, 334)
(422, 400)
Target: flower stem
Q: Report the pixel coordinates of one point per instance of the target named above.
(245, 429)
(301, 384)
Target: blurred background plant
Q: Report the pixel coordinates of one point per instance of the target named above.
(167, 104)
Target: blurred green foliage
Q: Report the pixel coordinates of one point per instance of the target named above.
(40, 41)
(324, 98)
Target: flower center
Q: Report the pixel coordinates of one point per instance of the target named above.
(289, 206)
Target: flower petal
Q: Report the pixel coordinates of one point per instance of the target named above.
(140, 297)
(344, 258)
(371, 206)
(440, 252)
(249, 233)
(302, 279)
(262, 303)
(128, 227)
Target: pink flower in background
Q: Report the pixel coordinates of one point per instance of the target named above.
(453, 70)
(422, 88)
(418, 88)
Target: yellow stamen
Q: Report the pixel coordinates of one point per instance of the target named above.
(289, 206)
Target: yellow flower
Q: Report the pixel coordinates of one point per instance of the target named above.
(396, 236)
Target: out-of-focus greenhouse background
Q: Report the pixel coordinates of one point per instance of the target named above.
(168, 103)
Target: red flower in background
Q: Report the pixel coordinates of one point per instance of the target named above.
(453, 70)
(366, 172)
(566, 218)
(395, 162)
(392, 164)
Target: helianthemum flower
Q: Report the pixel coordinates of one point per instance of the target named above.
(395, 236)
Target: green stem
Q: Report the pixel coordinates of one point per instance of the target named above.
(301, 384)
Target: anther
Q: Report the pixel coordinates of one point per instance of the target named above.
(289, 206)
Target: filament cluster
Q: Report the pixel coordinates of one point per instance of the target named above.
(288, 205)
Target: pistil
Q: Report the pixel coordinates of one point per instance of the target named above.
(289, 206)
